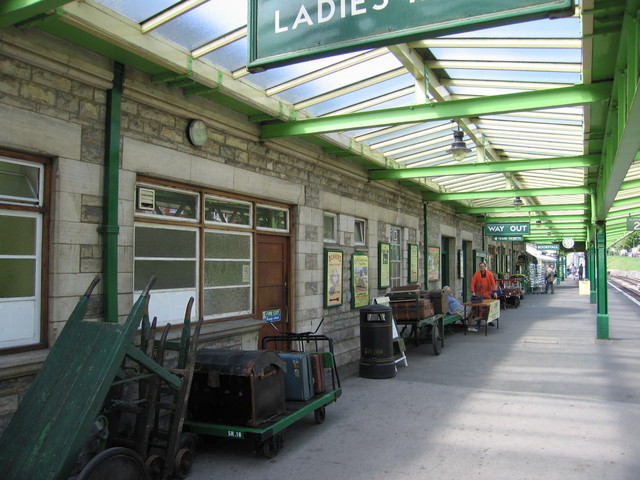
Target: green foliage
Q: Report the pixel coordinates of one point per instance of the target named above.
(623, 263)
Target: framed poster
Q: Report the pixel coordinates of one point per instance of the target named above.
(359, 280)
(333, 261)
(433, 263)
(384, 272)
(413, 263)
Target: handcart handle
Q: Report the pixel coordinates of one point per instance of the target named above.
(145, 292)
(93, 284)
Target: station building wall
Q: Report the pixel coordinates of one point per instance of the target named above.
(53, 98)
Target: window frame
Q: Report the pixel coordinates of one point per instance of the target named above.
(203, 226)
(333, 216)
(363, 222)
(41, 209)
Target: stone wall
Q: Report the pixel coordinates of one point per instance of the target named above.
(53, 103)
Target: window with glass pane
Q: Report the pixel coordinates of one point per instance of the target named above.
(395, 260)
(228, 212)
(272, 218)
(360, 232)
(20, 273)
(168, 253)
(20, 182)
(171, 255)
(170, 203)
(330, 227)
(227, 273)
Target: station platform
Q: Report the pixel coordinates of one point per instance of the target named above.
(538, 398)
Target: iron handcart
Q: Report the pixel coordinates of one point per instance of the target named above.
(61, 429)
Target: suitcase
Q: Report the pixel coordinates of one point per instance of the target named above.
(440, 302)
(298, 380)
(403, 311)
(317, 364)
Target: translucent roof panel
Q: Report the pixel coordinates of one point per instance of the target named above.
(139, 10)
(204, 23)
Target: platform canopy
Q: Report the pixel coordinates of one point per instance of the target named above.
(547, 108)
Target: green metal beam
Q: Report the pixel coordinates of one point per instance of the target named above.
(469, 107)
(492, 167)
(529, 192)
(528, 208)
(623, 122)
(532, 220)
(16, 11)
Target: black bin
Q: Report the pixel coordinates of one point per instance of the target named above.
(376, 342)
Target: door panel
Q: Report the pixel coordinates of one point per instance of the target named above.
(272, 281)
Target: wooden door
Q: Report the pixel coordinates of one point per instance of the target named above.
(272, 281)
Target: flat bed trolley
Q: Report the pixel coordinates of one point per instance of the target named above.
(267, 434)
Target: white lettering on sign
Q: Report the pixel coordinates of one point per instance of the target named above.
(495, 228)
(326, 11)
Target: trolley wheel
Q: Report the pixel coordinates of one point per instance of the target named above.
(319, 415)
(183, 463)
(118, 462)
(271, 446)
(189, 440)
(155, 465)
(436, 339)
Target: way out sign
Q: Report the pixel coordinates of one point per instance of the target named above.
(506, 229)
(285, 32)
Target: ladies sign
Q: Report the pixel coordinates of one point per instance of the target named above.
(284, 32)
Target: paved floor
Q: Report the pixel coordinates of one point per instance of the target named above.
(538, 398)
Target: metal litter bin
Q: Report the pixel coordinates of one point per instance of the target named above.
(376, 342)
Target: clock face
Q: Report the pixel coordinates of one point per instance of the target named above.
(197, 132)
(568, 243)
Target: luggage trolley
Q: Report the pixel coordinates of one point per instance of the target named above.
(260, 366)
(511, 292)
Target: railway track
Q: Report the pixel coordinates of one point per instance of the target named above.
(629, 285)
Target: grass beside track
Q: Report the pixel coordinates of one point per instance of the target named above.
(623, 263)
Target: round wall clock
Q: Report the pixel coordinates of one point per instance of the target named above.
(197, 132)
(568, 243)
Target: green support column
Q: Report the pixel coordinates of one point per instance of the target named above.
(591, 268)
(601, 274)
(110, 228)
(425, 253)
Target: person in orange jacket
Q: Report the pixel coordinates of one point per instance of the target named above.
(483, 284)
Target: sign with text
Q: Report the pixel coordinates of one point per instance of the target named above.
(271, 316)
(508, 238)
(284, 32)
(633, 224)
(548, 246)
(506, 229)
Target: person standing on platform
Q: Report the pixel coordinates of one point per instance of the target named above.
(483, 283)
(580, 271)
(549, 278)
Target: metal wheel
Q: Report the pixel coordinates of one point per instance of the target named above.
(155, 465)
(183, 463)
(436, 339)
(121, 463)
(319, 415)
(271, 446)
(189, 440)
